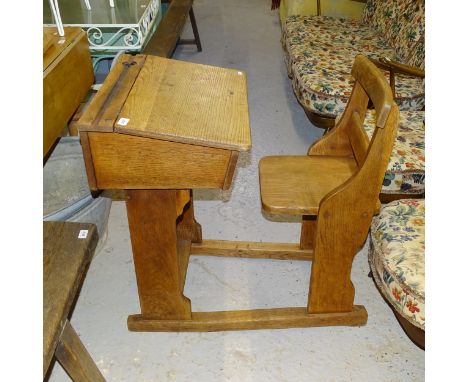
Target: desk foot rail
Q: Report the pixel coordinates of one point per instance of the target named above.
(279, 318)
(249, 249)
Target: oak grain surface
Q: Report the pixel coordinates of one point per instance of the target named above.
(337, 185)
(75, 359)
(123, 161)
(296, 184)
(254, 250)
(67, 77)
(169, 29)
(190, 103)
(65, 259)
(103, 109)
(54, 44)
(277, 318)
(159, 271)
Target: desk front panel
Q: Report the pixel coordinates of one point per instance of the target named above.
(120, 161)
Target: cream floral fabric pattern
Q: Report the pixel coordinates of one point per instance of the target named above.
(406, 169)
(320, 51)
(396, 257)
(401, 22)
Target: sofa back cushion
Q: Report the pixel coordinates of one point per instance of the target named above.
(401, 23)
(416, 57)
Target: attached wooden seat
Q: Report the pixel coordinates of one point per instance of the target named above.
(302, 179)
(336, 188)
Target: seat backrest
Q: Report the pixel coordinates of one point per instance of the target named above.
(346, 212)
(350, 206)
(370, 85)
(348, 137)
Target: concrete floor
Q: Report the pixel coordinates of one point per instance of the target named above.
(241, 34)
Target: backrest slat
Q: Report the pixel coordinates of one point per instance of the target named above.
(376, 86)
(358, 138)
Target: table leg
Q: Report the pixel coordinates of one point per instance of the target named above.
(75, 359)
(187, 227)
(152, 221)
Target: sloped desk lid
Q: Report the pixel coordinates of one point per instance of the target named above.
(175, 101)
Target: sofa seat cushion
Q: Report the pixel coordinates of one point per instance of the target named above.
(319, 60)
(406, 169)
(396, 257)
(316, 30)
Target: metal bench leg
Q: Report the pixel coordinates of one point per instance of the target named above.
(195, 29)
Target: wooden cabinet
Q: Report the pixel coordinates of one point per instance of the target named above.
(67, 77)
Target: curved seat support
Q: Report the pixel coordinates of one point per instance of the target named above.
(340, 227)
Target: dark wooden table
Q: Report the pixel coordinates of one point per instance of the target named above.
(68, 250)
(167, 35)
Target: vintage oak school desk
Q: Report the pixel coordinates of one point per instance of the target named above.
(159, 128)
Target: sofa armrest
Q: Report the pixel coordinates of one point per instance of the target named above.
(397, 67)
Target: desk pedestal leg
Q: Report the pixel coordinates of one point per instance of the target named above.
(161, 248)
(152, 221)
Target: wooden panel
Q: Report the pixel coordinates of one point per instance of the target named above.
(65, 258)
(231, 169)
(183, 253)
(127, 162)
(279, 318)
(190, 103)
(88, 159)
(308, 232)
(75, 359)
(343, 225)
(346, 212)
(375, 85)
(105, 106)
(65, 83)
(47, 43)
(187, 227)
(296, 184)
(249, 249)
(358, 137)
(54, 44)
(152, 222)
(182, 198)
(167, 33)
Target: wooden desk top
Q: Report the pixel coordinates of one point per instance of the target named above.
(65, 259)
(54, 45)
(172, 100)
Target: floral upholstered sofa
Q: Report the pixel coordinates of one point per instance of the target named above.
(396, 258)
(320, 51)
(405, 175)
